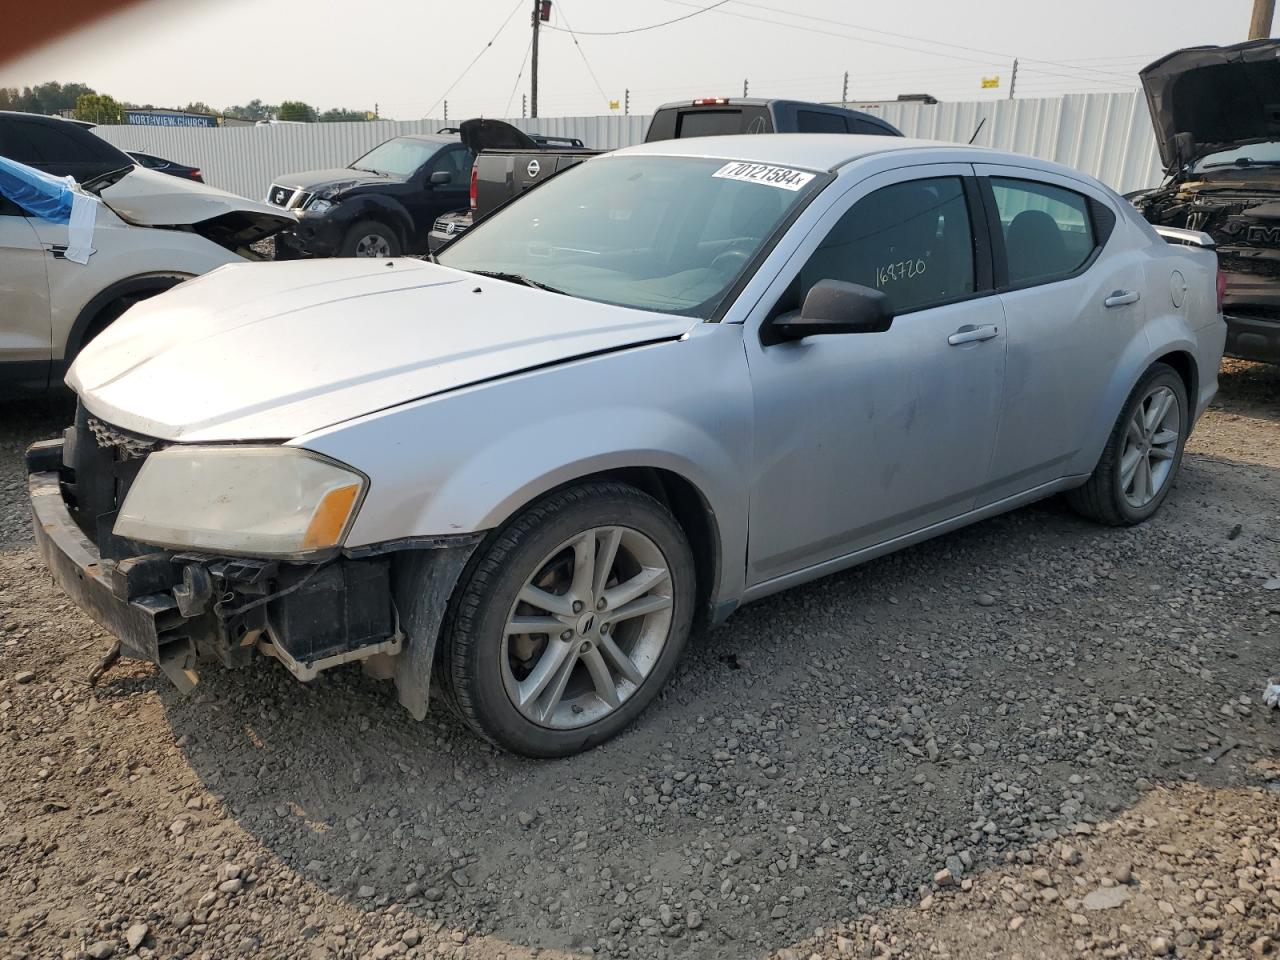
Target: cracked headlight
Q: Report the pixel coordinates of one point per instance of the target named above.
(318, 205)
(263, 501)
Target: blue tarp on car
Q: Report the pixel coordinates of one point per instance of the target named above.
(56, 199)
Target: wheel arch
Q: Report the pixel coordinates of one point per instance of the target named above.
(383, 210)
(85, 324)
(1184, 364)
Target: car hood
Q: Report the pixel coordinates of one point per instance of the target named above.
(152, 199)
(326, 183)
(1206, 99)
(259, 351)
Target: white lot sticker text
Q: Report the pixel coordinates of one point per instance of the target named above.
(783, 177)
(899, 271)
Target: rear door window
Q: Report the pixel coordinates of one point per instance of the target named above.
(912, 241)
(1048, 232)
(14, 143)
(709, 123)
(52, 143)
(815, 121)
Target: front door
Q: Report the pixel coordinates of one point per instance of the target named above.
(864, 438)
(25, 337)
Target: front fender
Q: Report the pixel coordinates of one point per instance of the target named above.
(372, 206)
(468, 461)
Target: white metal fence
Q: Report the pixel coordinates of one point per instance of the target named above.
(1108, 135)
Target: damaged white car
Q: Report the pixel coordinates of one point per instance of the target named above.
(143, 232)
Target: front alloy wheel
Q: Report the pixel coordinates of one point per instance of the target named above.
(570, 620)
(587, 627)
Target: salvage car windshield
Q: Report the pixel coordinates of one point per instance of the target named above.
(1261, 154)
(670, 234)
(399, 157)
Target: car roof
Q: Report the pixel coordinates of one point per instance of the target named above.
(814, 151)
(831, 151)
(41, 117)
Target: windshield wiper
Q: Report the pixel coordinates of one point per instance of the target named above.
(516, 278)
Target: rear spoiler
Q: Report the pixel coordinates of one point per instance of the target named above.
(1189, 238)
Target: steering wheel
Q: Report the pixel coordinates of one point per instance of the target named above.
(731, 260)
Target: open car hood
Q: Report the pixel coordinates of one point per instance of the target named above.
(151, 199)
(273, 351)
(481, 134)
(1206, 99)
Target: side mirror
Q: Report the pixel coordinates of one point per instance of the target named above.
(441, 176)
(833, 306)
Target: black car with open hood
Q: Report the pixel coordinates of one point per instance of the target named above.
(1216, 112)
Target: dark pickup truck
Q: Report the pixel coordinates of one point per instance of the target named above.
(509, 162)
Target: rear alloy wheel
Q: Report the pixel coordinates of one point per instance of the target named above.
(1142, 454)
(571, 621)
(370, 239)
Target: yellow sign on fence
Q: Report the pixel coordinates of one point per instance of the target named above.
(990, 82)
(614, 104)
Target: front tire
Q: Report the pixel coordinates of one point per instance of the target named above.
(570, 620)
(1142, 455)
(368, 238)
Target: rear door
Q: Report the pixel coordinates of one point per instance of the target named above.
(1071, 307)
(25, 347)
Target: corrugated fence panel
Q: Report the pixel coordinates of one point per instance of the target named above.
(1107, 135)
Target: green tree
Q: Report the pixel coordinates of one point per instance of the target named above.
(343, 115)
(198, 106)
(255, 109)
(297, 110)
(99, 108)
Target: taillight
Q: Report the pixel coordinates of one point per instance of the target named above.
(475, 178)
(195, 175)
(1222, 289)
(710, 101)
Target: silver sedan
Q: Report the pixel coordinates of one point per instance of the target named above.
(669, 381)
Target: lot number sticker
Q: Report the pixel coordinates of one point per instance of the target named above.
(783, 177)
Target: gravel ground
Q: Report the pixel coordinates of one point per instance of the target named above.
(1032, 738)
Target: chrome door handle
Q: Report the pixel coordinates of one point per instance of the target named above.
(1122, 297)
(971, 334)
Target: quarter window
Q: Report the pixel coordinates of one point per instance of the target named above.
(910, 240)
(1048, 233)
(811, 121)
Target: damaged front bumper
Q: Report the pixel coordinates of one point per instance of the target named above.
(379, 605)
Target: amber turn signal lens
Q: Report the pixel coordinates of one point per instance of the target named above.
(330, 517)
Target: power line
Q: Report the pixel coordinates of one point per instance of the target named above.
(468, 67)
(582, 53)
(506, 111)
(903, 36)
(652, 26)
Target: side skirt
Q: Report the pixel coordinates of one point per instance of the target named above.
(837, 564)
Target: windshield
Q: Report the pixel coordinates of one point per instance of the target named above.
(399, 157)
(1262, 154)
(670, 234)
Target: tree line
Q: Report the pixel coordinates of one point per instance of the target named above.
(85, 103)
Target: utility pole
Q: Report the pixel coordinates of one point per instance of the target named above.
(844, 91)
(446, 113)
(524, 105)
(744, 89)
(1264, 12)
(1013, 80)
(533, 86)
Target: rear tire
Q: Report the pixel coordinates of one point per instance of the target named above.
(369, 238)
(589, 558)
(1142, 455)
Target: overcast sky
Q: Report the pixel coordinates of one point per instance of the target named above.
(404, 54)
